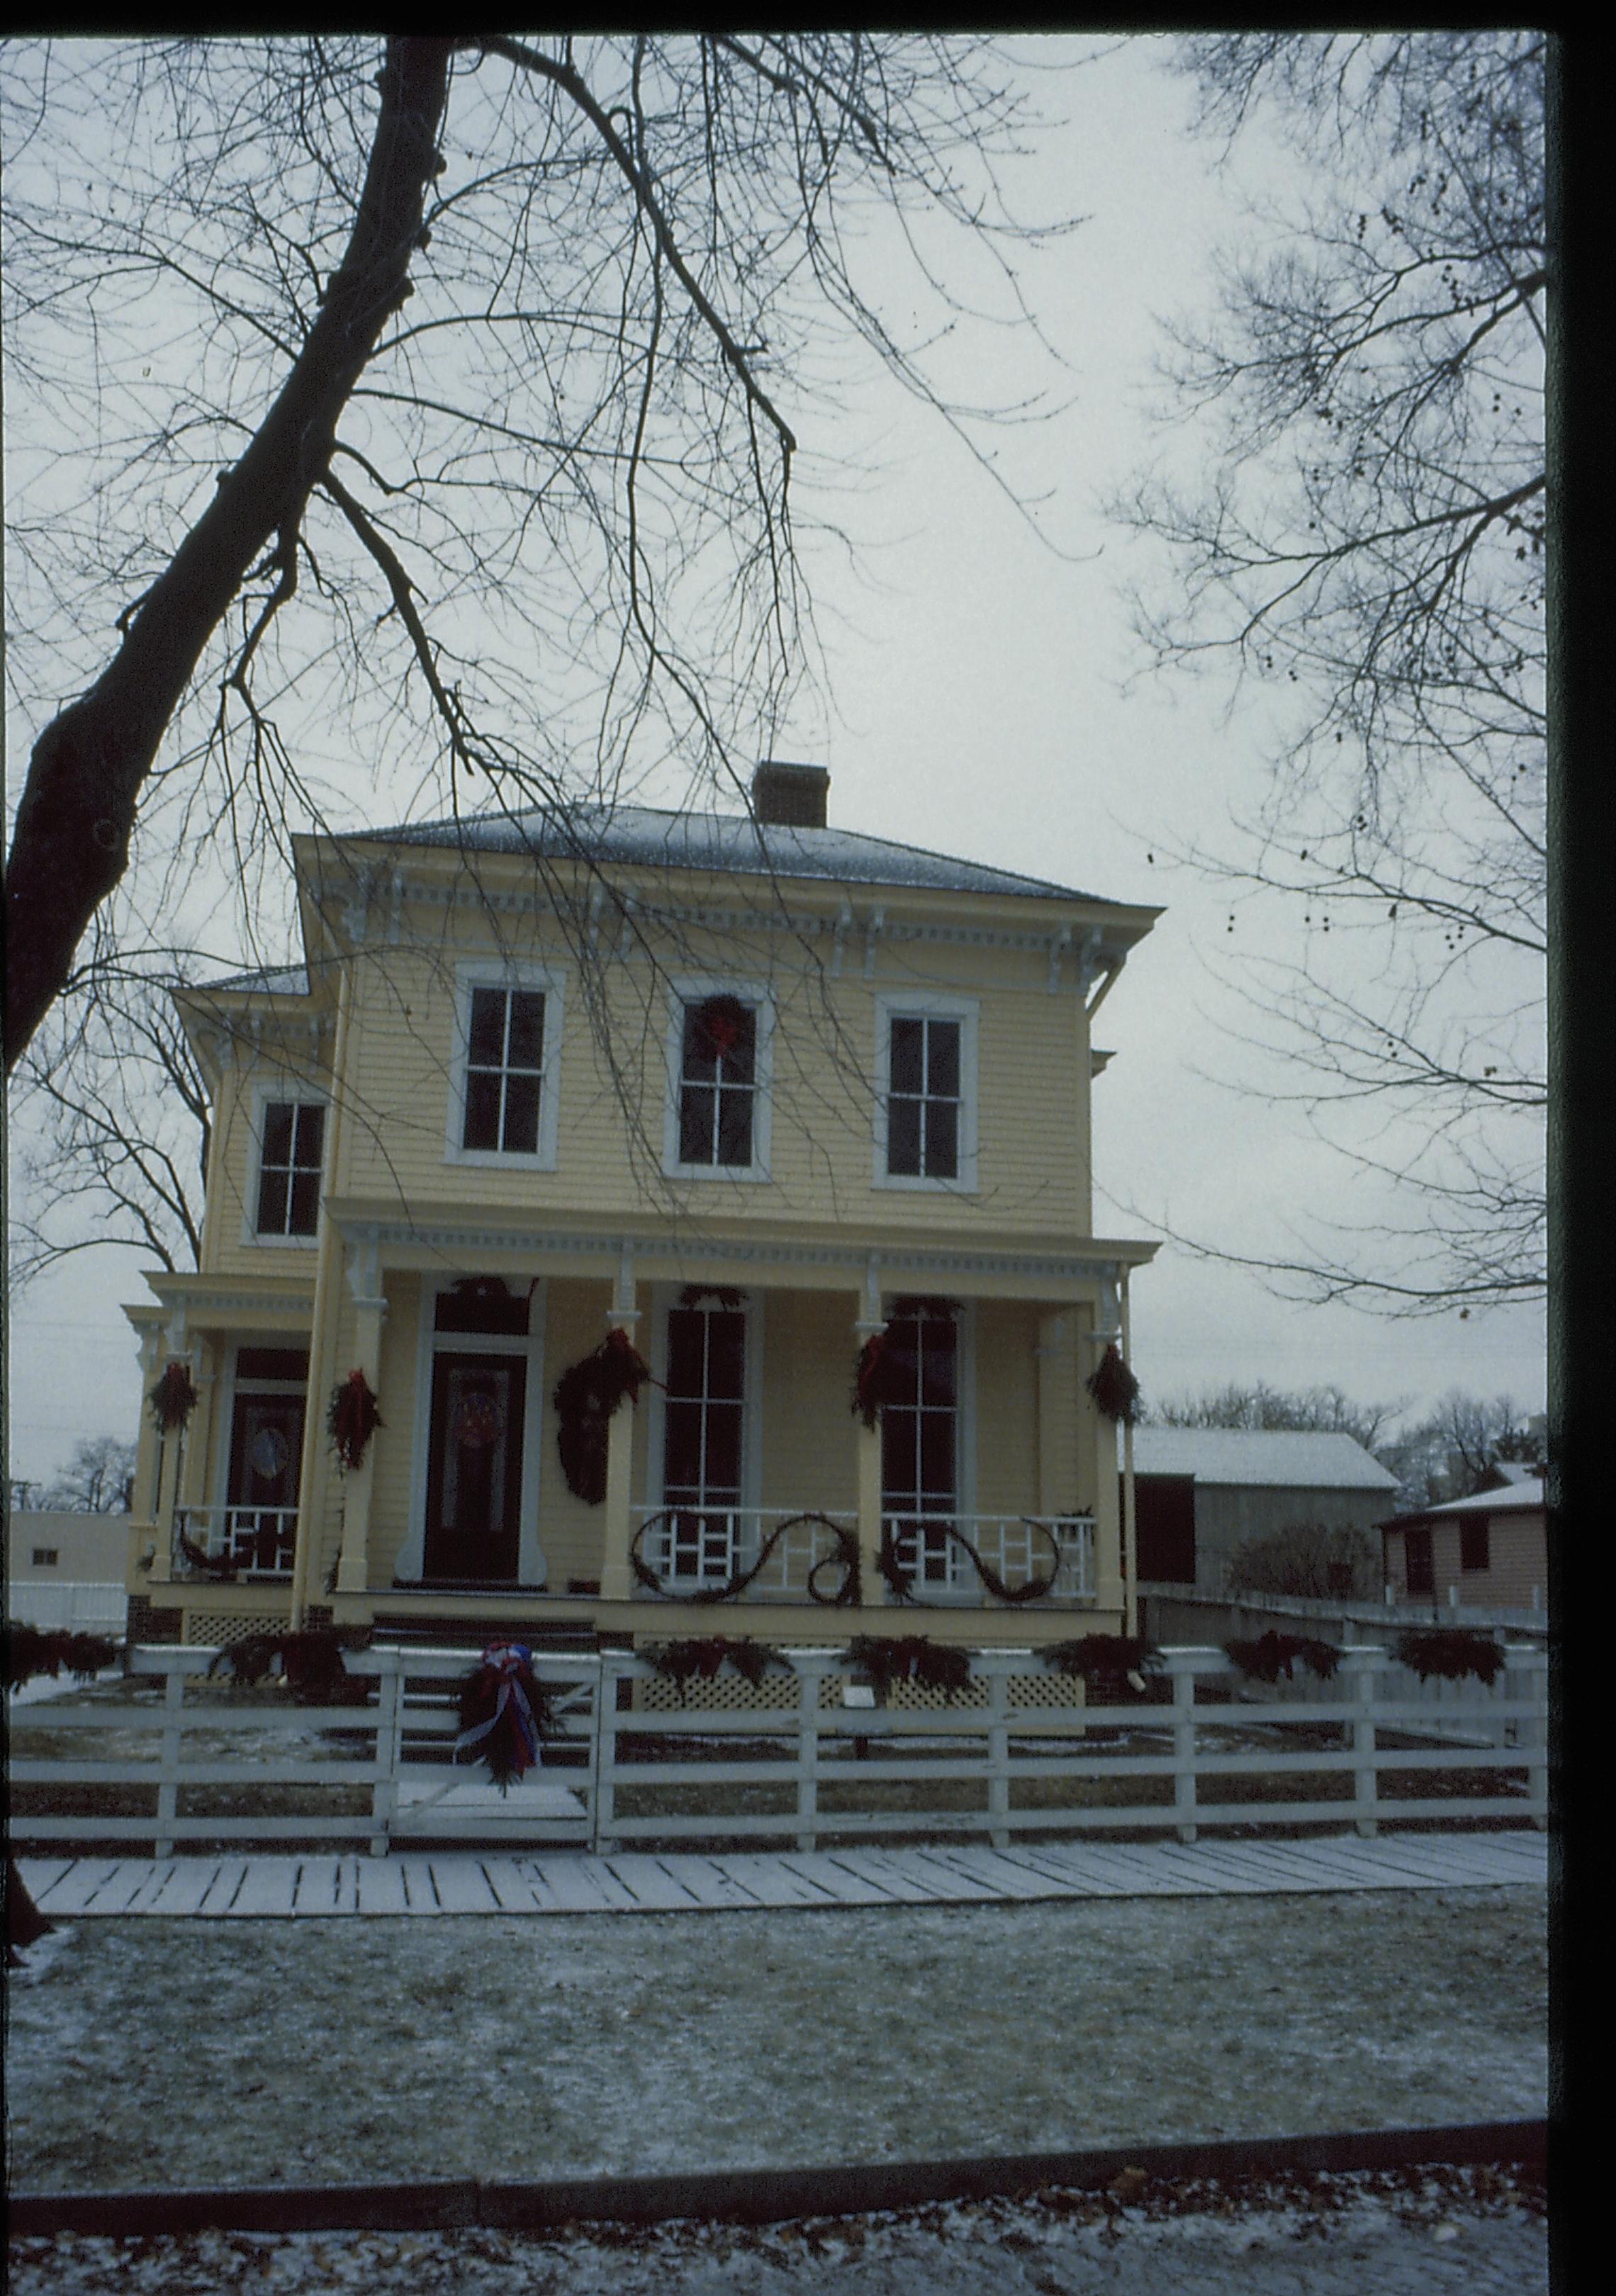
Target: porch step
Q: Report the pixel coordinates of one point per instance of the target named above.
(416, 1628)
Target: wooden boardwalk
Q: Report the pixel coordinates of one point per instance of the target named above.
(565, 1881)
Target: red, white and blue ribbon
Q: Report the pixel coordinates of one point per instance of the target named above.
(508, 1666)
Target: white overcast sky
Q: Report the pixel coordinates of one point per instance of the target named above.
(978, 701)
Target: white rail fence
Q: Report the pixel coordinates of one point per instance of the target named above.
(816, 1767)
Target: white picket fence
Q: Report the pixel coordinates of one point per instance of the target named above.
(815, 1755)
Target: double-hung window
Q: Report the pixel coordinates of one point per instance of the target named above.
(505, 1070)
(504, 1105)
(718, 1108)
(290, 1152)
(926, 1061)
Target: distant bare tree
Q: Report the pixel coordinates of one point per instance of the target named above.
(1362, 536)
(96, 1479)
(1261, 1409)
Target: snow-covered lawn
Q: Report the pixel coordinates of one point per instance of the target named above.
(154, 2052)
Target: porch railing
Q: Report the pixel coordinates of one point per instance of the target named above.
(793, 1554)
(947, 1558)
(249, 1542)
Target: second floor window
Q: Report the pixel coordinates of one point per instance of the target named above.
(719, 1084)
(504, 1067)
(924, 1098)
(289, 1166)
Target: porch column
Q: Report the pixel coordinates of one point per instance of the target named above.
(370, 1303)
(1130, 1543)
(148, 1446)
(170, 1461)
(198, 1438)
(616, 1579)
(867, 1439)
(1057, 1414)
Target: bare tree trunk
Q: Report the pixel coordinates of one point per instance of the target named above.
(71, 843)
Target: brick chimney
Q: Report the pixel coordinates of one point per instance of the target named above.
(790, 797)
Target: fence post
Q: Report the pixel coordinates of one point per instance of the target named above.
(810, 1674)
(1184, 1746)
(998, 1750)
(168, 1768)
(1363, 1667)
(390, 1748)
(602, 1798)
(1531, 1734)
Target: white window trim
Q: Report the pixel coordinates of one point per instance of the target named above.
(665, 1297)
(894, 1005)
(693, 988)
(409, 1564)
(300, 1095)
(491, 973)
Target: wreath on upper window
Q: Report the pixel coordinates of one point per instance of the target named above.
(719, 1025)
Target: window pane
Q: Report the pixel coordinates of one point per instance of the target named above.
(908, 1047)
(937, 1379)
(739, 1058)
(903, 1137)
(304, 1217)
(277, 1132)
(723, 1451)
(481, 1109)
(937, 1456)
(521, 1114)
(687, 1350)
(697, 1117)
(488, 1033)
(942, 1139)
(271, 1203)
(942, 1058)
(701, 1063)
(682, 1453)
(726, 1355)
(310, 1134)
(735, 1126)
(527, 1050)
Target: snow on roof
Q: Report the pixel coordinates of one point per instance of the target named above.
(724, 841)
(1523, 1497)
(1283, 1460)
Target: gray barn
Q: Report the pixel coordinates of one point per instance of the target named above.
(1200, 1492)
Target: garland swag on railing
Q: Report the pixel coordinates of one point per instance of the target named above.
(173, 1399)
(49, 1650)
(310, 1663)
(680, 1663)
(353, 1417)
(506, 1710)
(217, 1567)
(587, 1395)
(1273, 1655)
(1452, 1652)
(1107, 1662)
(901, 1579)
(848, 1592)
(888, 1659)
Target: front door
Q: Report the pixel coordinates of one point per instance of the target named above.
(265, 1456)
(473, 1508)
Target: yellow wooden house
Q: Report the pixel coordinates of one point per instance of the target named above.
(750, 1091)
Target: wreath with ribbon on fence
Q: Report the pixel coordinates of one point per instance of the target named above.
(844, 1554)
(505, 1712)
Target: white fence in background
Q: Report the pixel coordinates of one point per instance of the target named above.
(816, 1757)
(79, 1606)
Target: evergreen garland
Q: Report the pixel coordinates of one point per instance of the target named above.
(1273, 1655)
(1452, 1652)
(1107, 1662)
(217, 1567)
(353, 1417)
(311, 1664)
(888, 1659)
(901, 1579)
(843, 1554)
(173, 1399)
(587, 1395)
(680, 1663)
(48, 1650)
(505, 1712)
(1114, 1388)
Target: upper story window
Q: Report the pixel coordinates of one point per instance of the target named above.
(504, 1069)
(503, 1105)
(719, 1109)
(926, 1067)
(290, 1158)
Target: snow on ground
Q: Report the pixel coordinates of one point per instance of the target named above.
(160, 2053)
(1436, 2233)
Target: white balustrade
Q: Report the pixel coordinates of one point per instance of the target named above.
(252, 1542)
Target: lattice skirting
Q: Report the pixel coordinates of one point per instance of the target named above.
(727, 1692)
(224, 1629)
